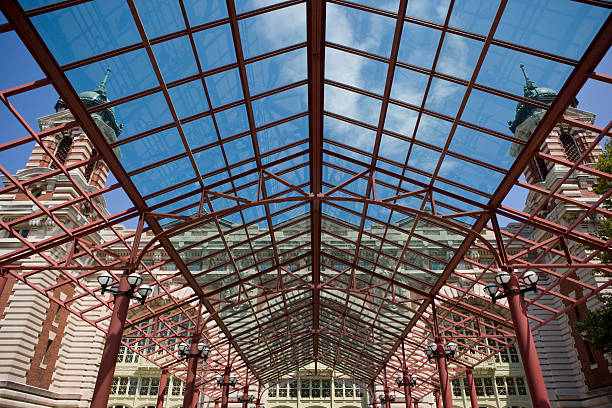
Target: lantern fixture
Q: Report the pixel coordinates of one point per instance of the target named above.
(530, 278)
(203, 351)
(431, 351)
(134, 280)
(412, 380)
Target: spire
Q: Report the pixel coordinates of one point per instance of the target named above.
(101, 89)
(529, 84)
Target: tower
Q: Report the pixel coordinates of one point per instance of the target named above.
(575, 374)
(49, 356)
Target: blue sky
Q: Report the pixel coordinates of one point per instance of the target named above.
(352, 28)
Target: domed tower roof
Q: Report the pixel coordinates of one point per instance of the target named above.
(532, 91)
(97, 97)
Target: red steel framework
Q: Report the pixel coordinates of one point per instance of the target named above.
(333, 309)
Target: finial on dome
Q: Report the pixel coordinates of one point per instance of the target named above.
(101, 89)
(529, 84)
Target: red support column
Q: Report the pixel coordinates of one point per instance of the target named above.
(226, 385)
(216, 403)
(447, 400)
(196, 397)
(416, 403)
(111, 347)
(245, 396)
(406, 380)
(472, 388)
(437, 397)
(192, 369)
(3, 279)
(163, 386)
(257, 403)
(387, 400)
(524, 339)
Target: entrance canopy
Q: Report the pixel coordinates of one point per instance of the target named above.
(325, 182)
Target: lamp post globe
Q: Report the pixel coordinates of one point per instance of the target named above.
(105, 279)
(452, 346)
(492, 289)
(530, 277)
(134, 279)
(502, 278)
(144, 290)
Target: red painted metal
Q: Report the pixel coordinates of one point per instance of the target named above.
(225, 387)
(196, 398)
(111, 346)
(3, 278)
(529, 354)
(447, 399)
(471, 388)
(437, 398)
(192, 369)
(163, 388)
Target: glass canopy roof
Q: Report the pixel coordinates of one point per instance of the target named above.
(312, 179)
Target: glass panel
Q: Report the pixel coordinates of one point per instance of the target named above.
(224, 87)
(160, 18)
(359, 29)
(280, 105)
(352, 105)
(175, 59)
(563, 27)
(76, 32)
(277, 71)
(200, 12)
(408, 86)
(418, 45)
(215, 47)
(474, 15)
(354, 70)
(273, 30)
(458, 56)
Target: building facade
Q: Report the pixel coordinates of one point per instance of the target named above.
(50, 358)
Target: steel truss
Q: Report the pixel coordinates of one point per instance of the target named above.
(314, 287)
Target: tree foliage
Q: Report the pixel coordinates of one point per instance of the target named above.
(596, 328)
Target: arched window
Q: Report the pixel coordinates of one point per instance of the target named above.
(570, 147)
(538, 169)
(91, 166)
(61, 153)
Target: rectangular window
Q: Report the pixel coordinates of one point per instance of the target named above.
(122, 388)
(121, 354)
(338, 388)
(133, 386)
(176, 386)
(501, 385)
(282, 390)
(456, 388)
(272, 390)
(348, 389)
(489, 390)
(305, 389)
(113, 390)
(144, 386)
(326, 388)
(520, 385)
(293, 389)
(510, 383)
(513, 354)
(479, 387)
(154, 389)
(316, 388)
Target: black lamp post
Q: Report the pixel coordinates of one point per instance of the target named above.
(431, 351)
(502, 279)
(105, 280)
(203, 351)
